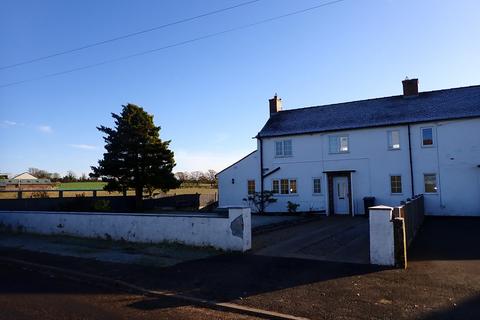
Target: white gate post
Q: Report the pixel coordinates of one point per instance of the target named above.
(382, 242)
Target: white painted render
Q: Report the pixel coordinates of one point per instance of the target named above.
(382, 242)
(232, 232)
(454, 159)
(233, 181)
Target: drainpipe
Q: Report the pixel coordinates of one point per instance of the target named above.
(411, 162)
(262, 206)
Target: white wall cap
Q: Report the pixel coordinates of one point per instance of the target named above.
(381, 207)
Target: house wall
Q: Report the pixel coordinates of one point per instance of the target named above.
(232, 182)
(368, 156)
(454, 159)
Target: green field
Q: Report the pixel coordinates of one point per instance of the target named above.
(87, 185)
(98, 185)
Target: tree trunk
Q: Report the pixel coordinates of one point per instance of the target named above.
(139, 199)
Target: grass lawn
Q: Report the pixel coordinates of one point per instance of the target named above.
(87, 185)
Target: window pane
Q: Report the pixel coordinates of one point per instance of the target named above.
(396, 184)
(284, 186)
(278, 148)
(293, 186)
(394, 139)
(275, 186)
(251, 186)
(344, 144)
(317, 186)
(430, 183)
(427, 136)
(333, 144)
(287, 147)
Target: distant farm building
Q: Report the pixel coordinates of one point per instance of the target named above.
(25, 181)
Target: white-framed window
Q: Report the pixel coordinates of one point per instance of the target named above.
(430, 182)
(283, 148)
(275, 186)
(393, 139)
(251, 186)
(396, 184)
(338, 144)
(428, 139)
(284, 186)
(293, 186)
(317, 185)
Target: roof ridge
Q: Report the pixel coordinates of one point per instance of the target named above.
(372, 99)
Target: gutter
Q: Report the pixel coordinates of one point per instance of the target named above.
(411, 161)
(262, 205)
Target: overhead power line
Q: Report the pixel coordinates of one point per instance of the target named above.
(177, 44)
(128, 35)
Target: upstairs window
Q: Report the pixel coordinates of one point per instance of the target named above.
(283, 148)
(430, 181)
(338, 144)
(317, 185)
(251, 186)
(396, 184)
(427, 137)
(394, 140)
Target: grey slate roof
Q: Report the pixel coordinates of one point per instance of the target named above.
(427, 106)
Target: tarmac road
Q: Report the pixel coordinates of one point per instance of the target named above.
(28, 294)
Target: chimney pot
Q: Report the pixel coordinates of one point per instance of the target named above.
(275, 105)
(410, 87)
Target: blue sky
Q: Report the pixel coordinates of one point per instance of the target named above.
(211, 97)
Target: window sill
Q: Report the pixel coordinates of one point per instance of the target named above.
(279, 157)
(286, 195)
(317, 194)
(396, 194)
(428, 146)
(341, 152)
(392, 149)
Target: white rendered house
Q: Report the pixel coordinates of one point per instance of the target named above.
(328, 158)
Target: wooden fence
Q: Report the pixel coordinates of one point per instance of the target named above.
(106, 203)
(413, 213)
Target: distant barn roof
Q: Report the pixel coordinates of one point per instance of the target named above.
(437, 105)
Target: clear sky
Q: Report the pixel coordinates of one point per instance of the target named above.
(211, 97)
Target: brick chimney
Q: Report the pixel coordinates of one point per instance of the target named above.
(410, 88)
(275, 105)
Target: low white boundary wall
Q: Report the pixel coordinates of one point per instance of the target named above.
(232, 232)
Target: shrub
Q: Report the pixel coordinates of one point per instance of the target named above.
(260, 202)
(292, 207)
(39, 194)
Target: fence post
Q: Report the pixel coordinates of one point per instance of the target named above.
(94, 193)
(19, 195)
(60, 193)
(400, 242)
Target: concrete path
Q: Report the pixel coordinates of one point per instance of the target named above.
(340, 239)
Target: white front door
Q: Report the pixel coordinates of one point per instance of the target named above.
(340, 195)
